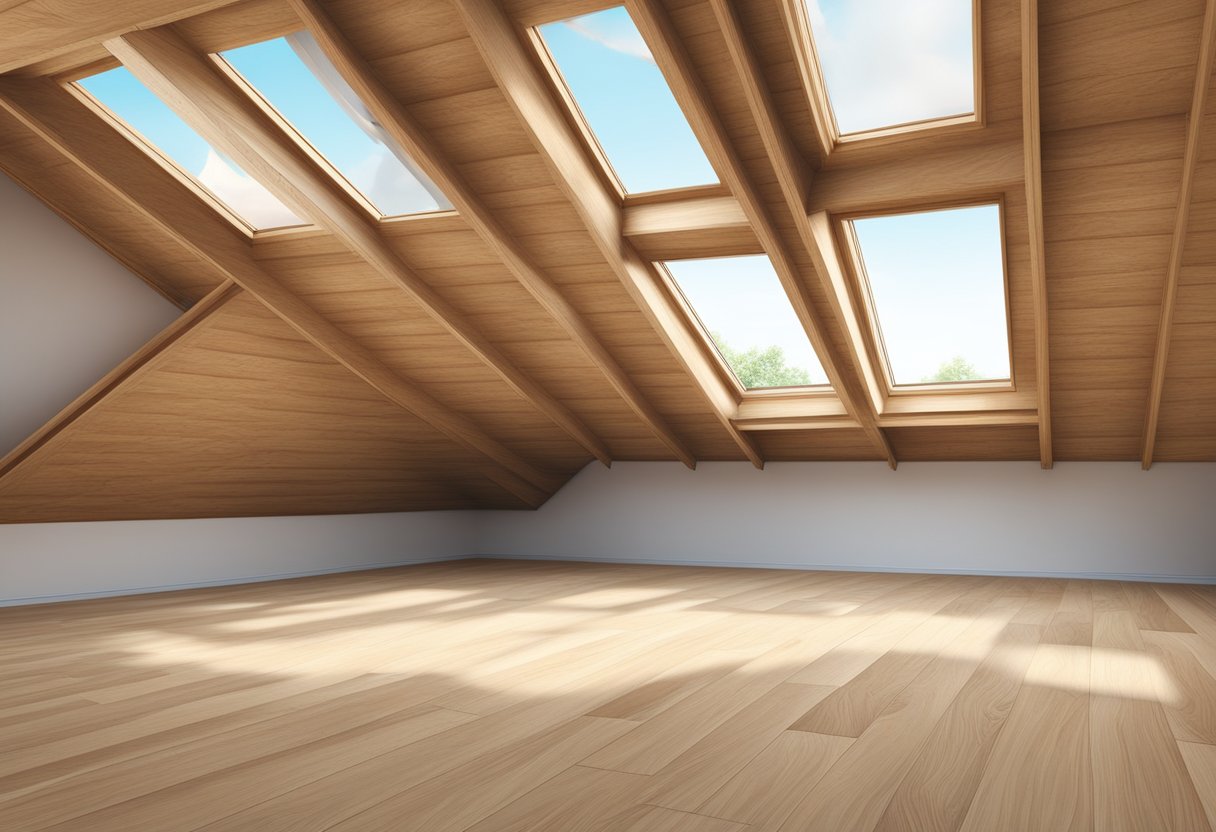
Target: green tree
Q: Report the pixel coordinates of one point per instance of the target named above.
(762, 368)
(956, 369)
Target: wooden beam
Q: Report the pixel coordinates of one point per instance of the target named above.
(802, 44)
(195, 88)
(670, 54)
(33, 31)
(122, 376)
(979, 164)
(1190, 160)
(411, 137)
(129, 173)
(690, 226)
(1032, 150)
(816, 229)
(527, 92)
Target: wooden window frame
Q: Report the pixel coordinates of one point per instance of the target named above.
(189, 180)
(591, 143)
(710, 349)
(863, 299)
(815, 87)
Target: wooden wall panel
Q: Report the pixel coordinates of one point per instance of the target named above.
(245, 418)
(1116, 81)
(1116, 85)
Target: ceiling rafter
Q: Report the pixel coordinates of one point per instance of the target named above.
(1190, 160)
(816, 229)
(126, 171)
(194, 87)
(121, 377)
(406, 131)
(669, 52)
(1032, 149)
(526, 91)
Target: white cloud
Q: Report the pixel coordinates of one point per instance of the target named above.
(892, 61)
(624, 39)
(244, 195)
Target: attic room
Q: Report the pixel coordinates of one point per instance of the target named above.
(585, 416)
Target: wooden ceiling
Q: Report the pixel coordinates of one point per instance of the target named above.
(480, 357)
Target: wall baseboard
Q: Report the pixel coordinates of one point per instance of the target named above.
(254, 579)
(823, 567)
(806, 567)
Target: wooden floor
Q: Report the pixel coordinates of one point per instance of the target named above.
(488, 695)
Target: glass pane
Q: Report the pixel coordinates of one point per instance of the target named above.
(626, 102)
(302, 85)
(889, 62)
(131, 102)
(938, 283)
(748, 316)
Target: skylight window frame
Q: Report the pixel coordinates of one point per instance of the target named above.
(711, 349)
(71, 82)
(815, 87)
(318, 158)
(578, 120)
(877, 353)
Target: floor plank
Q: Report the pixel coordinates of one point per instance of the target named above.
(561, 697)
(1140, 779)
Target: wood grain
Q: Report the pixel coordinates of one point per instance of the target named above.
(337, 702)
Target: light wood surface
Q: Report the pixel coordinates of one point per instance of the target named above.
(572, 697)
(1032, 129)
(1190, 161)
(534, 325)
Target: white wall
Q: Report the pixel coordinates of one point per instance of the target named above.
(1101, 519)
(69, 313)
(56, 561)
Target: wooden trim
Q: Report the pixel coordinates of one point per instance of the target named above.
(860, 395)
(413, 139)
(796, 423)
(531, 97)
(975, 418)
(1031, 143)
(1194, 132)
(127, 172)
(575, 117)
(984, 418)
(122, 376)
(803, 46)
(194, 87)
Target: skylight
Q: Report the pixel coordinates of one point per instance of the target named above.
(937, 280)
(134, 104)
(294, 76)
(748, 317)
(626, 102)
(891, 62)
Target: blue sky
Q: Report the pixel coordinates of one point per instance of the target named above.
(627, 103)
(120, 92)
(275, 70)
(938, 281)
(937, 277)
(742, 300)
